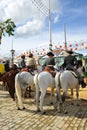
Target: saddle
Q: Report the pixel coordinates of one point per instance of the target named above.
(27, 70)
(50, 70)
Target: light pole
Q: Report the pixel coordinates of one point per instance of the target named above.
(50, 30)
(12, 54)
(65, 37)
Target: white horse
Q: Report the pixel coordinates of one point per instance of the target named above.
(22, 81)
(42, 81)
(66, 80)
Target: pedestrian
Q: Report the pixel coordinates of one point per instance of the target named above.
(7, 65)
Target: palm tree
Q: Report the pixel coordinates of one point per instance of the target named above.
(7, 27)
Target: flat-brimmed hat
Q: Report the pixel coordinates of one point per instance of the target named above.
(23, 56)
(50, 54)
(30, 55)
(69, 51)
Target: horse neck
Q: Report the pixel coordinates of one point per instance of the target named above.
(80, 70)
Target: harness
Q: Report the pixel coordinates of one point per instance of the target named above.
(74, 74)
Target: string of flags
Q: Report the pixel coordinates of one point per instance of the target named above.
(42, 50)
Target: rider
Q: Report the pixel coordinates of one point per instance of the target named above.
(49, 64)
(69, 62)
(22, 63)
(50, 61)
(31, 63)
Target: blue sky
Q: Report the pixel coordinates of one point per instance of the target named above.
(31, 19)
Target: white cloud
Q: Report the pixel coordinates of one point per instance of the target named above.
(56, 19)
(30, 28)
(33, 26)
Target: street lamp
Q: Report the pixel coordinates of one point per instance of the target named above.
(12, 53)
(65, 37)
(50, 29)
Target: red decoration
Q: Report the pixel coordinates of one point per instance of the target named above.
(44, 52)
(76, 48)
(76, 44)
(60, 46)
(85, 47)
(82, 44)
(70, 45)
(55, 46)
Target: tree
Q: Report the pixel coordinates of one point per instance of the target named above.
(7, 27)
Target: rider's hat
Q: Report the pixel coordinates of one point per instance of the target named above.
(69, 51)
(30, 55)
(23, 56)
(50, 54)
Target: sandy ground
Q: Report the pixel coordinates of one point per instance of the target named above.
(82, 93)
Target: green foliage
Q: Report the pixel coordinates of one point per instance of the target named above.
(7, 27)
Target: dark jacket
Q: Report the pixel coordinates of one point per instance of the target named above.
(70, 61)
(22, 64)
(7, 67)
(49, 61)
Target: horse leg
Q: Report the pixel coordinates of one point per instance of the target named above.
(19, 97)
(77, 96)
(43, 92)
(63, 102)
(16, 100)
(72, 92)
(37, 98)
(52, 91)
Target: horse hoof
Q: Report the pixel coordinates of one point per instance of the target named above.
(18, 109)
(43, 112)
(65, 112)
(77, 105)
(38, 110)
(51, 103)
(13, 99)
(72, 103)
(21, 109)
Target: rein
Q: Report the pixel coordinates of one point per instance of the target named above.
(73, 73)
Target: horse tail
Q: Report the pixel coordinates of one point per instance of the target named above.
(36, 82)
(58, 85)
(57, 80)
(37, 90)
(17, 85)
